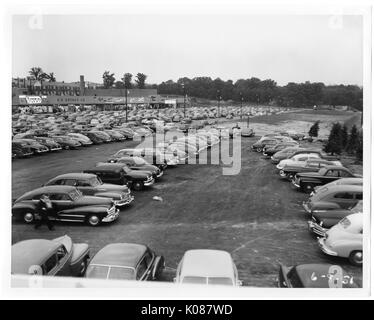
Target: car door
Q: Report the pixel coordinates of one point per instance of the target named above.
(344, 199)
(61, 202)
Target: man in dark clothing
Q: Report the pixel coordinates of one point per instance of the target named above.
(44, 209)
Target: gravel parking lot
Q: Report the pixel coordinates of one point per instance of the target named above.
(254, 215)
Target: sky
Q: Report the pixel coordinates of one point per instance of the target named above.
(285, 48)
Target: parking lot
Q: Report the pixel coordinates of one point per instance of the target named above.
(254, 215)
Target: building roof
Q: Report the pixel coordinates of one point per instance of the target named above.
(207, 263)
(31, 252)
(120, 254)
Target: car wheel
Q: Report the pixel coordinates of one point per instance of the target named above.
(93, 220)
(28, 217)
(290, 176)
(137, 185)
(356, 258)
(282, 174)
(259, 150)
(308, 187)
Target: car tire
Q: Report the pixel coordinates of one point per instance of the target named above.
(282, 174)
(355, 258)
(308, 187)
(83, 267)
(28, 217)
(93, 220)
(137, 185)
(259, 150)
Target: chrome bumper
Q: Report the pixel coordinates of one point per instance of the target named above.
(149, 182)
(160, 174)
(316, 228)
(295, 184)
(325, 248)
(111, 217)
(124, 202)
(306, 208)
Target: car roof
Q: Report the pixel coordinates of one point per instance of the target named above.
(335, 167)
(305, 272)
(349, 180)
(107, 166)
(120, 254)
(31, 252)
(345, 188)
(78, 175)
(208, 263)
(48, 189)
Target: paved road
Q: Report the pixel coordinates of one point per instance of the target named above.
(254, 215)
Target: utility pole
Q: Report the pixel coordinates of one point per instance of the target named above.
(184, 100)
(219, 99)
(126, 101)
(241, 106)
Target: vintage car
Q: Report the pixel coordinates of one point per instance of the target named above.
(262, 143)
(310, 165)
(269, 151)
(128, 133)
(69, 205)
(81, 138)
(315, 276)
(126, 261)
(115, 135)
(91, 185)
(211, 267)
(120, 173)
(67, 142)
(35, 146)
(346, 181)
(322, 220)
(138, 163)
(284, 154)
(51, 144)
(94, 137)
(306, 181)
(21, 150)
(345, 239)
(247, 132)
(299, 160)
(57, 257)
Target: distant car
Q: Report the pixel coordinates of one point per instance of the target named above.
(211, 267)
(91, 185)
(306, 181)
(260, 144)
(70, 205)
(57, 257)
(81, 138)
(21, 149)
(247, 132)
(105, 137)
(115, 135)
(345, 239)
(67, 142)
(35, 146)
(49, 143)
(120, 173)
(299, 160)
(314, 276)
(94, 137)
(126, 261)
(138, 163)
(284, 154)
(310, 165)
(279, 146)
(322, 220)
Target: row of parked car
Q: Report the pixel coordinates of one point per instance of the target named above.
(335, 198)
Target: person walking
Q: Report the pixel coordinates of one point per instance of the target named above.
(44, 209)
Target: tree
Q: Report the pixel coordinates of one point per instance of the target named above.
(344, 136)
(140, 80)
(313, 131)
(353, 141)
(50, 77)
(127, 78)
(108, 79)
(359, 147)
(119, 85)
(334, 143)
(37, 73)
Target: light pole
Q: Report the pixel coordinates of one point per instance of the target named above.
(126, 100)
(241, 106)
(184, 100)
(219, 99)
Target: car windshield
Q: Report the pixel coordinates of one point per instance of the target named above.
(109, 272)
(94, 182)
(74, 195)
(322, 171)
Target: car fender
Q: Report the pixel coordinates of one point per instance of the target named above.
(324, 205)
(345, 246)
(22, 207)
(87, 210)
(81, 252)
(113, 195)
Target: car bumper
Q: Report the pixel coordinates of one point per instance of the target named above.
(41, 150)
(306, 207)
(56, 149)
(124, 202)
(295, 184)
(111, 217)
(149, 183)
(316, 228)
(274, 160)
(160, 174)
(325, 248)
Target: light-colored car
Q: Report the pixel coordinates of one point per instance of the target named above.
(345, 239)
(343, 181)
(299, 159)
(209, 267)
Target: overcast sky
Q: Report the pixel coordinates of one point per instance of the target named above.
(283, 48)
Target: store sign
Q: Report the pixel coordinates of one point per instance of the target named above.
(32, 99)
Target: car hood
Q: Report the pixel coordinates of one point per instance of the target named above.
(91, 200)
(140, 174)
